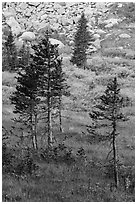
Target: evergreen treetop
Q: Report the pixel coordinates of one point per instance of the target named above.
(107, 110)
(82, 39)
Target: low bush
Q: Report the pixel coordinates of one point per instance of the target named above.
(25, 165)
(114, 52)
(19, 163)
(126, 175)
(127, 178)
(7, 158)
(122, 72)
(59, 154)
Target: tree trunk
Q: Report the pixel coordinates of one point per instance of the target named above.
(50, 137)
(60, 117)
(115, 156)
(34, 132)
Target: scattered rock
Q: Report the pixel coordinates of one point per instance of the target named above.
(18, 43)
(56, 42)
(71, 42)
(23, 5)
(109, 25)
(43, 17)
(61, 17)
(61, 10)
(55, 26)
(62, 3)
(96, 36)
(100, 31)
(33, 3)
(88, 11)
(111, 21)
(9, 13)
(124, 35)
(15, 27)
(28, 36)
(97, 44)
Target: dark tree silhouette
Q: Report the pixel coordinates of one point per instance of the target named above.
(81, 40)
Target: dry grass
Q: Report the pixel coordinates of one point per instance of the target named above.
(61, 183)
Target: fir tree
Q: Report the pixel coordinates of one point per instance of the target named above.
(24, 55)
(61, 88)
(105, 116)
(81, 40)
(10, 52)
(26, 99)
(46, 56)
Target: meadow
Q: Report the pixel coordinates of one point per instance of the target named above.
(82, 172)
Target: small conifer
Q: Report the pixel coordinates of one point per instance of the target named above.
(81, 40)
(105, 116)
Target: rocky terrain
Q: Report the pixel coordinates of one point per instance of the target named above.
(27, 19)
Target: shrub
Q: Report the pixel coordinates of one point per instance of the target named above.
(81, 152)
(81, 155)
(130, 54)
(25, 165)
(127, 178)
(66, 50)
(59, 154)
(97, 65)
(19, 163)
(114, 52)
(122, 72)
(7, 158)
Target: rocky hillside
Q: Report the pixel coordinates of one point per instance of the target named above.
(27, 19)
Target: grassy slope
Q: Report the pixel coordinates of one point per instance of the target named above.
(57, 183)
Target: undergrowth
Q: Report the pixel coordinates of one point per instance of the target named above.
(58, 175)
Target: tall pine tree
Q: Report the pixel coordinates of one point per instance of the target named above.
(81, 40)
(105, 116)
(51, 81)
(26, 99)
(61, 88)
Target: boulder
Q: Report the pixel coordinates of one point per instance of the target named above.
(124, 35)
(100, 31)
(109, 25)
(88, 11)
(56, 42)
(43, 17)
(64, 21)
(34, 3)
(18, 43)
(97, 44)
(62, 3)
(112, 21)
(96, 36)
(23, 5)
(15, 27)
(28, 36)
(61, 10)
(9, 13)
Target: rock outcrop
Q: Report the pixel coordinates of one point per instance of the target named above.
(27, 19)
